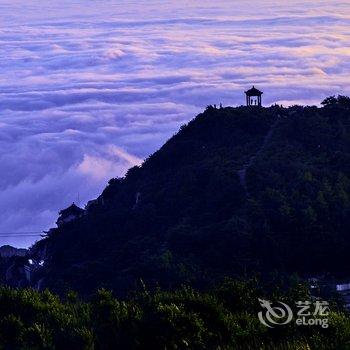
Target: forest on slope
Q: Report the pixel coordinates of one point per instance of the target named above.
(186, 215)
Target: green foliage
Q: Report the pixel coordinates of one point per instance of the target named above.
(223, 318)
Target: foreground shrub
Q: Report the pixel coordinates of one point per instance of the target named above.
(224, 318)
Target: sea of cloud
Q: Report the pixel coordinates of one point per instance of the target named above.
(89, 88)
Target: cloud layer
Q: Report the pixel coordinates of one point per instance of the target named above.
(89, 88)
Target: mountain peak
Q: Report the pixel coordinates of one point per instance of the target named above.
(231, 192)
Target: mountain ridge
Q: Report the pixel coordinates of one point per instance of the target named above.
(183, 216)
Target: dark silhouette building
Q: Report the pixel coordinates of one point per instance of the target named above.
(253, 97)
(69, 214)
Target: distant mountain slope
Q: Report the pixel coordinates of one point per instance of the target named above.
(7, 251)
(186, 216)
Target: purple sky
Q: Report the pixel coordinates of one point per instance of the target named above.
(89, 88)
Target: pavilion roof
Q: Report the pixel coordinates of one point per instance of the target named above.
(254, 92)
(73, 209)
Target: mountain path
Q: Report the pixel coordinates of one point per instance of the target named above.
(243, 171)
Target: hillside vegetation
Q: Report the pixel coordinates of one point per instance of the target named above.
(224, 318)
(187, 215)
